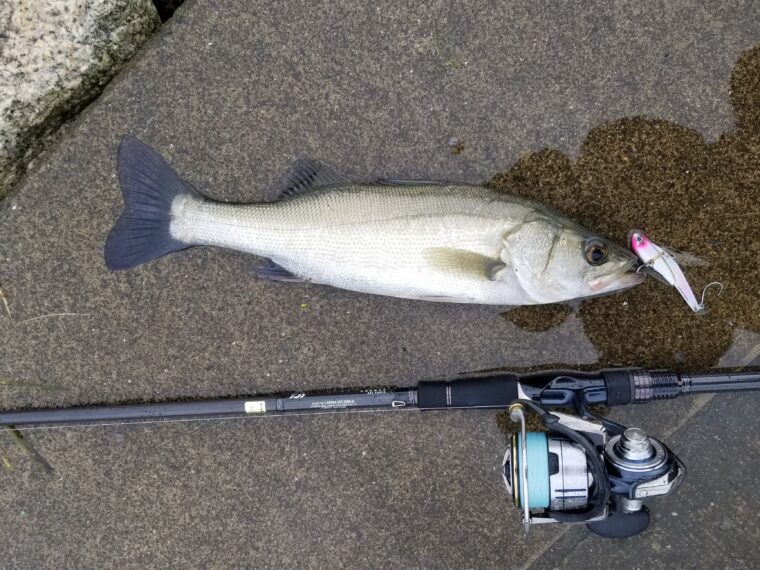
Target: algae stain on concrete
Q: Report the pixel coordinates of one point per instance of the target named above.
(663, 178)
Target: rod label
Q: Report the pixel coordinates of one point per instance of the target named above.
(334, 404)
(255, 407)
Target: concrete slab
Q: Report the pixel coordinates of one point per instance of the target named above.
(230, 92)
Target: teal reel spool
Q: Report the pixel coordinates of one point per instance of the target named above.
(538, 470)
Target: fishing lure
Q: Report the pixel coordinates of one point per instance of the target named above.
(664, 264)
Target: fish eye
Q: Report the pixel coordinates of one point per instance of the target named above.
(595, 252)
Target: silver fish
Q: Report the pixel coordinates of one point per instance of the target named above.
(432, 241)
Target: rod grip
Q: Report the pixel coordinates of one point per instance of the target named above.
(619, 386)
(479, 392)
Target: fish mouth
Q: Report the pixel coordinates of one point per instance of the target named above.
(622, 276)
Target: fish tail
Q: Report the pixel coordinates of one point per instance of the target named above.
(149, 186)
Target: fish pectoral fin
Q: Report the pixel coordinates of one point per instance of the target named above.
(305, 174)
(463, 262)
(500, 272)
(504, 254)
(275, 272)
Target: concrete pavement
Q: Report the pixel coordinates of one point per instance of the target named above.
(230, 92)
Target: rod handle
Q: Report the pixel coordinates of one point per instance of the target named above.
(496, 391)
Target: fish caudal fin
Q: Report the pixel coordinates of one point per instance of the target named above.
(149, 186)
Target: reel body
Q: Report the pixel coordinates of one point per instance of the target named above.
(589, 471)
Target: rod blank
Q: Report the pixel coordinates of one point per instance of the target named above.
(720, 382)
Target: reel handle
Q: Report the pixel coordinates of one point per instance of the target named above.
(621, 524)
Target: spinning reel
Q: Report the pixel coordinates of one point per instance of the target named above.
(587, 470)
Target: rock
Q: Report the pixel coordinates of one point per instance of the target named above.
(56, 56)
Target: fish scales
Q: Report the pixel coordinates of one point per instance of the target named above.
(368, 238)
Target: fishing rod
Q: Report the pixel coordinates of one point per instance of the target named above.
(582, 469)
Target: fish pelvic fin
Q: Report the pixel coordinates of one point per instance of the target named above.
(149, 187)
(275, 272)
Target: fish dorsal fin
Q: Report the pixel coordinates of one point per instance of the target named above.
(305, 174)
(404, 182)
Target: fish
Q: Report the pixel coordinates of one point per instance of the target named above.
(413, 239)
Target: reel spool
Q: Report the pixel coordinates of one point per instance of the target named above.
(558, 478)
(587, 471)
